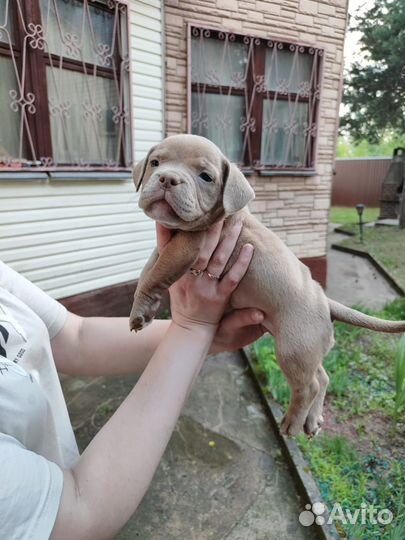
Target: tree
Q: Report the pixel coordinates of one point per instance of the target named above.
(375, 88)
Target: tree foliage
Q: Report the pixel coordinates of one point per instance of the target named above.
(348, 148)
(375, 88)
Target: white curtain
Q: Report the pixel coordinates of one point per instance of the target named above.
(287, 69)
(284, 137)
(78, 30)
(10, 121)
(218, 117)
(81, 117)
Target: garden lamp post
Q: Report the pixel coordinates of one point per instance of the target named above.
(360, 209)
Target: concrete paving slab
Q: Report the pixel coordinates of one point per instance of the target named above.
(354, 280)
(222, 472)
(222, 475)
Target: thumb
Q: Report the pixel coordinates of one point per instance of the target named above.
(240, 318)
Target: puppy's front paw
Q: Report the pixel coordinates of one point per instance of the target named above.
(139, 323)
(142, 314)
(290, 426)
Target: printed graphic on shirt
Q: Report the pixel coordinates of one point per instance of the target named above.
(11, 342)
(3, 368)
(4, 334)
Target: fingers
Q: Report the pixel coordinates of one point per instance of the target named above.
(210, 243)
(246, 336)
(163, 236)
(240, 318)
(232, 278)
(238, 329)
(224, 250)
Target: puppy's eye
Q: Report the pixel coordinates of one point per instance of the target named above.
(154, 163)
(206, 177)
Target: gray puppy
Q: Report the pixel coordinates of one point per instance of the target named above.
(188, 185)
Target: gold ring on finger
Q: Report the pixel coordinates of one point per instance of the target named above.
(212, 276)
(196, 272)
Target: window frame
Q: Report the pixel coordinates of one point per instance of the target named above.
(37, 61)
(252, 163)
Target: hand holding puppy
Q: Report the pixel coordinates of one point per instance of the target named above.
(199, 301)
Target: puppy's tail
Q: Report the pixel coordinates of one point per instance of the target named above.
(339, 312)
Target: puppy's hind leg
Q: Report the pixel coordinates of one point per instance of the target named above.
(314, 420)
(300, 372)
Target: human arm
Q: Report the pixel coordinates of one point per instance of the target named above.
(104, 346)
(112, 475)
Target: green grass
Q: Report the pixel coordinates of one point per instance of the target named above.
(399, 380)
(346, 216)
(365, 379)
(346, 477)
(270, 371)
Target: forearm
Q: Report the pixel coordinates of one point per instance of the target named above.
(121, 460)
(105, 346)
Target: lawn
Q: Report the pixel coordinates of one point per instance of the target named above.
(360, 455)
(346, 216)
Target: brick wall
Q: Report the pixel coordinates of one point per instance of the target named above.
(295, 207)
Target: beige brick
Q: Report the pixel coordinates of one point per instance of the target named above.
(270, 187)
(305, 20)
(274, 204)
(255, 16)
(309, 7)
(174, 20)
(327, 9)
(258, 206)
(284, 212)
(294, 239)
(227, 4)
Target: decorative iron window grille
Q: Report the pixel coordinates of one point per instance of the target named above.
(256, 98)
(64, 85)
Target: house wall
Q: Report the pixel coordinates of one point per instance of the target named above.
(295, 207)
(69, 237)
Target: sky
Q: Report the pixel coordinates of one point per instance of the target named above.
(356, 7)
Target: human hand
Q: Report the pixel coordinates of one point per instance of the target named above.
(238, 329)
(199, 301)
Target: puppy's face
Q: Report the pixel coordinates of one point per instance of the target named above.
(184, 179)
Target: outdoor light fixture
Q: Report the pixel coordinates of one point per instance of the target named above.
(360, 209)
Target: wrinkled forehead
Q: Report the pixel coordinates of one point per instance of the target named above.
(199, 153)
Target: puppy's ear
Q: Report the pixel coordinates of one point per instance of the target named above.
(237, 191)
(139, 170)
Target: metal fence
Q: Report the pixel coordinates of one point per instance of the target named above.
(359, 180)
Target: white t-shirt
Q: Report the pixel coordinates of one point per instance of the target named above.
(36, 436)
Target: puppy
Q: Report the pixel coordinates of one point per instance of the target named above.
(188, 185)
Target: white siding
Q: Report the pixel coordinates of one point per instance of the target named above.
(72, 237)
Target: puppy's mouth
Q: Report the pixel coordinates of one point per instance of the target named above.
(162, 208)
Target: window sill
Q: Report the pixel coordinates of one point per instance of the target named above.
(279, 172)
(12, 175)
(74, 176)
(285, 172)
(65, 176)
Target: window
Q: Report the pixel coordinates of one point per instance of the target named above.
(64, 85)
(257, 99)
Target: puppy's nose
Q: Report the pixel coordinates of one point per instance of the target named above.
(168, 181)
